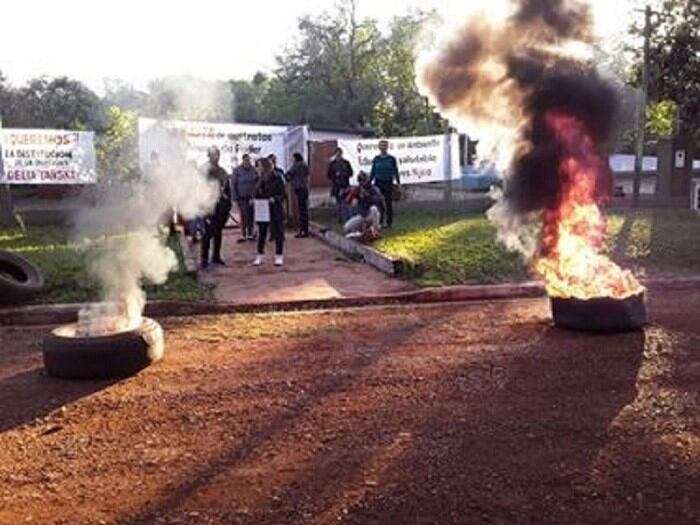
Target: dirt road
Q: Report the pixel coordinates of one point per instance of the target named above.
(479, 413)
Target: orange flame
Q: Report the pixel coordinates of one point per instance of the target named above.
(575, 232)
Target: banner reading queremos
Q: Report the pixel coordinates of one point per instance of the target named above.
(233, 140)
(431, 158)
(48, 156)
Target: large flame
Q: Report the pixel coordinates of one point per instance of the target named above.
(574, 234)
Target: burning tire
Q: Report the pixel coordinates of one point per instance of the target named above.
(601, 314)
(19, 278)
(118, 355)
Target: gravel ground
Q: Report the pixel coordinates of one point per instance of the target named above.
(474, 413)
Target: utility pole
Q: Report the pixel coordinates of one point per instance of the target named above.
(642, 108)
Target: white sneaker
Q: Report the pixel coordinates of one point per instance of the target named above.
(279, 260)
(258, 260)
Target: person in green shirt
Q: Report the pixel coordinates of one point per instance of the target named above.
(385, 170)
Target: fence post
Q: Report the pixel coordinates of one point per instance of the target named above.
(447, 167)
(7, 212)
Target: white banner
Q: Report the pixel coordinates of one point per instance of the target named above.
(48, 156)
(233, 140)
(431, 158)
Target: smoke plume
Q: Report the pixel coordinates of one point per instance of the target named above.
(503, 80)
(124, 229)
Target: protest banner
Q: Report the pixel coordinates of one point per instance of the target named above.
(233, 140)
(421, 159)
(48, 156)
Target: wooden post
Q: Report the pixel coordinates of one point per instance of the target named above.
(447, 167)
(7, 211)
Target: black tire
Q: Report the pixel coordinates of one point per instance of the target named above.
(106, 357)
(20, 279)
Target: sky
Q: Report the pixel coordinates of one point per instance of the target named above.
(137, 40)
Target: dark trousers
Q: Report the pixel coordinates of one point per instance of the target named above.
(387, 190)
(303, 202)
(276, 229)
(213, 230)
(247, 221)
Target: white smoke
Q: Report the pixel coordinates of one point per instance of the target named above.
(125, 232)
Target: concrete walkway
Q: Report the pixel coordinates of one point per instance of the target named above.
(312, 271)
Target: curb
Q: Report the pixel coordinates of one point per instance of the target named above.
(67, 313)
(356, 250)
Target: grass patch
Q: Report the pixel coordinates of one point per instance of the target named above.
(64, 265)
(655, 242)
(453, 244)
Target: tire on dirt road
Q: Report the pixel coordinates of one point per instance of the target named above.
(105, 357)
(20, 279)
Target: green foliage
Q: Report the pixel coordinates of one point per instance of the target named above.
(60, 103)
(661, 118)
(117, 146)
(402, 110)
(345, 71)
(331, 72)
(675, 59)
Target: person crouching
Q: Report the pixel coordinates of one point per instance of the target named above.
(370, 207)
(271, 189)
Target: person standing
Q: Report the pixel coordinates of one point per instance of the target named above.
(385, 170)
(339, 173)
(276, 170)
(244, 181)
(271, 189)
(280, 173)
(214, 222)
(298, 177)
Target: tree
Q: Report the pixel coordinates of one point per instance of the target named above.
(675, 65)
(331, 75)
(60, 103)
(117, 146)
(249, 99)
(402, 109)
(124, 95)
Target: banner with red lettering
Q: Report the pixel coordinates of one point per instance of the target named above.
(48, 156)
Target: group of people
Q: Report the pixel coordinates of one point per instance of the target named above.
(251, 185)
(366, 208)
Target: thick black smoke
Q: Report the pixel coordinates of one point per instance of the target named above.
(535, 181)
(512, 75)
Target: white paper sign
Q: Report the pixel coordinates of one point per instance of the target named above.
(680, 158)
(420, 159)
(48, 156)
(262, 210)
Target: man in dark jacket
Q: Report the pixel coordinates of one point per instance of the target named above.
(243, 183)
(214, 222)
(298, 177)
(385, 170)
(339, 173)
(275, 169)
